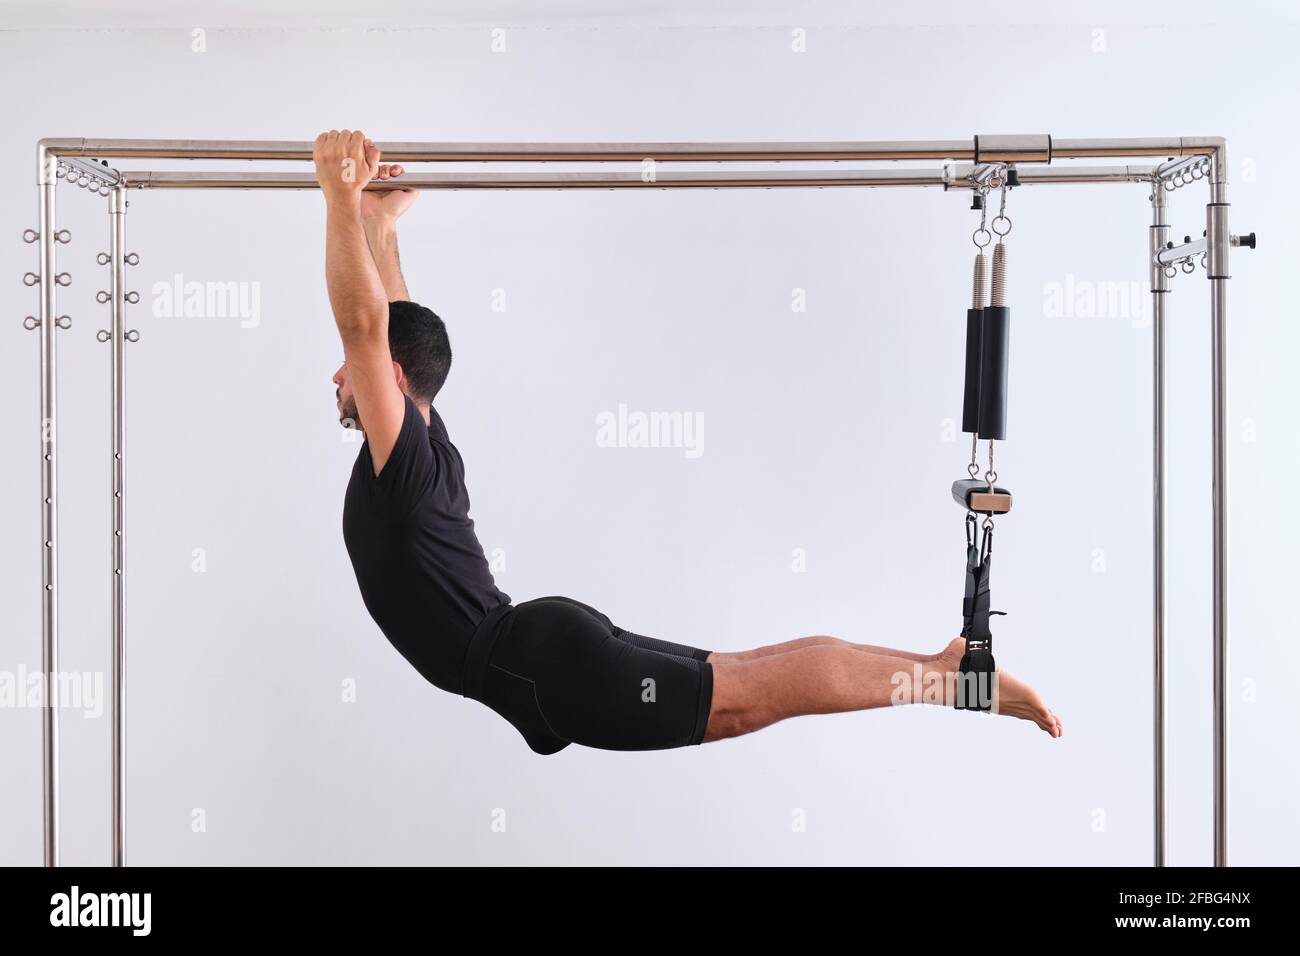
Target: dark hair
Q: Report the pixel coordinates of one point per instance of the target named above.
(418, 341)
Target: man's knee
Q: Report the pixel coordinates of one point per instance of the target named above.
(739, 707)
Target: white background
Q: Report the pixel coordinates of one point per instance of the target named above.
(825, 430)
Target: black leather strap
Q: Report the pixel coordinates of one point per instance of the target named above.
(977, 674)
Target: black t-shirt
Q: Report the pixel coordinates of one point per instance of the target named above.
(421, 569)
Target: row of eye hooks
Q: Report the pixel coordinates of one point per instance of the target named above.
(1188, 176)
(1188, 266)
(84, 180)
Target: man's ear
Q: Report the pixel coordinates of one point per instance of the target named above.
(399, 376)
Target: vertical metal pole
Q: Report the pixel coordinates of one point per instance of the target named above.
(117, 340)
(1159, 289)
(47, 180)
(1217, 244)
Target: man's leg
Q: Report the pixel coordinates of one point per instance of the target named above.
(829, 678)
(784, 648)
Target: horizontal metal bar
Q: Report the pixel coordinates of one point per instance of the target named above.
(962, 150)
(963, 176)
(522, 152)
(663, 179)
(1135, 148)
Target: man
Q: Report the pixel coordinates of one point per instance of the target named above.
(559, 671)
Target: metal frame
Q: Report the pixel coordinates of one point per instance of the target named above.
(965, 163)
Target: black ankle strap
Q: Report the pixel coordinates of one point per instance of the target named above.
(977, 673)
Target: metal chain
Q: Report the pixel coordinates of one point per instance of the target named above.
(990, 476)
(1001, 217)
(982, 233)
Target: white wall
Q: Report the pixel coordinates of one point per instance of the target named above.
(823, 431)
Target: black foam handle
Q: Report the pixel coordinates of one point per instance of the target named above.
(970, 409)
(994, 350)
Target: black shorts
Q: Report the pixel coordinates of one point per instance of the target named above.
(562, 673)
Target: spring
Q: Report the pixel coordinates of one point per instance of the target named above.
(999, 275)
(979, 288)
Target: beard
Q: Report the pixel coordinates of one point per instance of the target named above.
(349, 417)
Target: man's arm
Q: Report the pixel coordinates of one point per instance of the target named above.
(380, 210)
(345, 162)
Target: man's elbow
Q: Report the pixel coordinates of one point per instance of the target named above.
(362, 323)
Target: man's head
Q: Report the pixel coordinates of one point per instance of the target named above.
(421, 353)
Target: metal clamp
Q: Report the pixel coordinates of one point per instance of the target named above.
(1177, 173)
(97, 177)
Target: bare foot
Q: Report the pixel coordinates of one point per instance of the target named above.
(1015, 698)
(1012, 698)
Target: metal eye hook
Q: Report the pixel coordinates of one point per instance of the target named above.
(30, 235)
(103, 258)
(103, 335)
(1004, 230)
(976, 237)
(131, 335)
(63, 322)
(1188, 266)
(64, 236)
(102, 296)
(1170, 272)
(30, 278)
(31, 322)
(132, 297)
(132, 259)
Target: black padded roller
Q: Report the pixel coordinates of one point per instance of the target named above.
(970, 409)
(996, 329)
